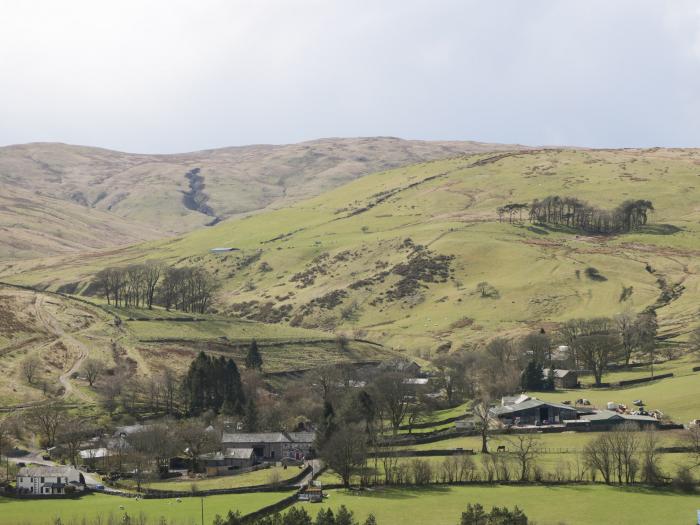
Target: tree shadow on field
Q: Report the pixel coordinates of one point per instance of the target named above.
(659, 229)
(539, 231)
(402, 492)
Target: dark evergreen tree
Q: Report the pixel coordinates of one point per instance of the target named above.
(326, 426)
(297, 516)
(253, 360)
(532, 377)
(213, 384)
(325, 517)
(250, 416)
(195, 385)
(548, 382)
(234, 397)
(344, 516)
(475, 515)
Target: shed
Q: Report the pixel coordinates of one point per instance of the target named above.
(219, 463)
(563, 378)
(610, 418)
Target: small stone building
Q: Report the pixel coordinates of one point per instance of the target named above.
(228, 461)
(563, 379)
(272, 446)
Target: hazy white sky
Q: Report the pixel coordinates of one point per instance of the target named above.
(173, 75)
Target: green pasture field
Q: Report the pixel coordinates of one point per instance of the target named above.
(679, 367)
(186, 512)
(559, 441)
(572, 505)
(676, 397)
(231, 329)
(248, 479)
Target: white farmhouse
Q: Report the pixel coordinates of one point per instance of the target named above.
(49, 480)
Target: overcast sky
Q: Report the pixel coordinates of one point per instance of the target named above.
(172, 76)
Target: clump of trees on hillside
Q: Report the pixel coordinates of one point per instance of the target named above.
(213, 384)
(189, 289)
(579, 215)
(582, 216)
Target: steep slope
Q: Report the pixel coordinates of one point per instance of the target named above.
(397, 256)
(178, 193)
(34, 225)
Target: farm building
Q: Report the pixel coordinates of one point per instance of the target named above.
(467, 424)
(49, 481)
(526, 410)
(219, 463)
(609, 418)
(273, 445)
(562, 378)
(411, 368)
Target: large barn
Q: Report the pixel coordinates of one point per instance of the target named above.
(526, 410)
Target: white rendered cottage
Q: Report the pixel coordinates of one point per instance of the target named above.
(47, 481)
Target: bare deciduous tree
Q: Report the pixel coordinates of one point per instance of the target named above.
(614, 454)
(45, 420)
(92, 369)
(525, 449)
(482, 420)
(29, 367)
(196, 438)
(346, 451)
(393, 397)
(71, 434)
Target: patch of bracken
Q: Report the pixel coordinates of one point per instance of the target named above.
(263, 312)
(326, 302)
(369, 281)
(423, 266)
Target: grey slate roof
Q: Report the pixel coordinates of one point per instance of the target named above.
(259, 437)
(269, 437)
(610, 415)
(46, 471)
(302, 437)
(527, 405)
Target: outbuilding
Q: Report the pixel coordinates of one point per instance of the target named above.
(232, 459)
(562, 378)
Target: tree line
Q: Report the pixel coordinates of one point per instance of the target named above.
(582, 216)
(188, 288)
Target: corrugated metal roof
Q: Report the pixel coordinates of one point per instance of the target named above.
(238, 453)
(611, 415)
(261, 437)
(528, 404)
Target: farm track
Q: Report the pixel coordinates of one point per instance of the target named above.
(53, 326)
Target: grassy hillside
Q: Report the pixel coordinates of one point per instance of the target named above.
(62, 333)
(396, 256)
(56, 197)
(34, 225)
